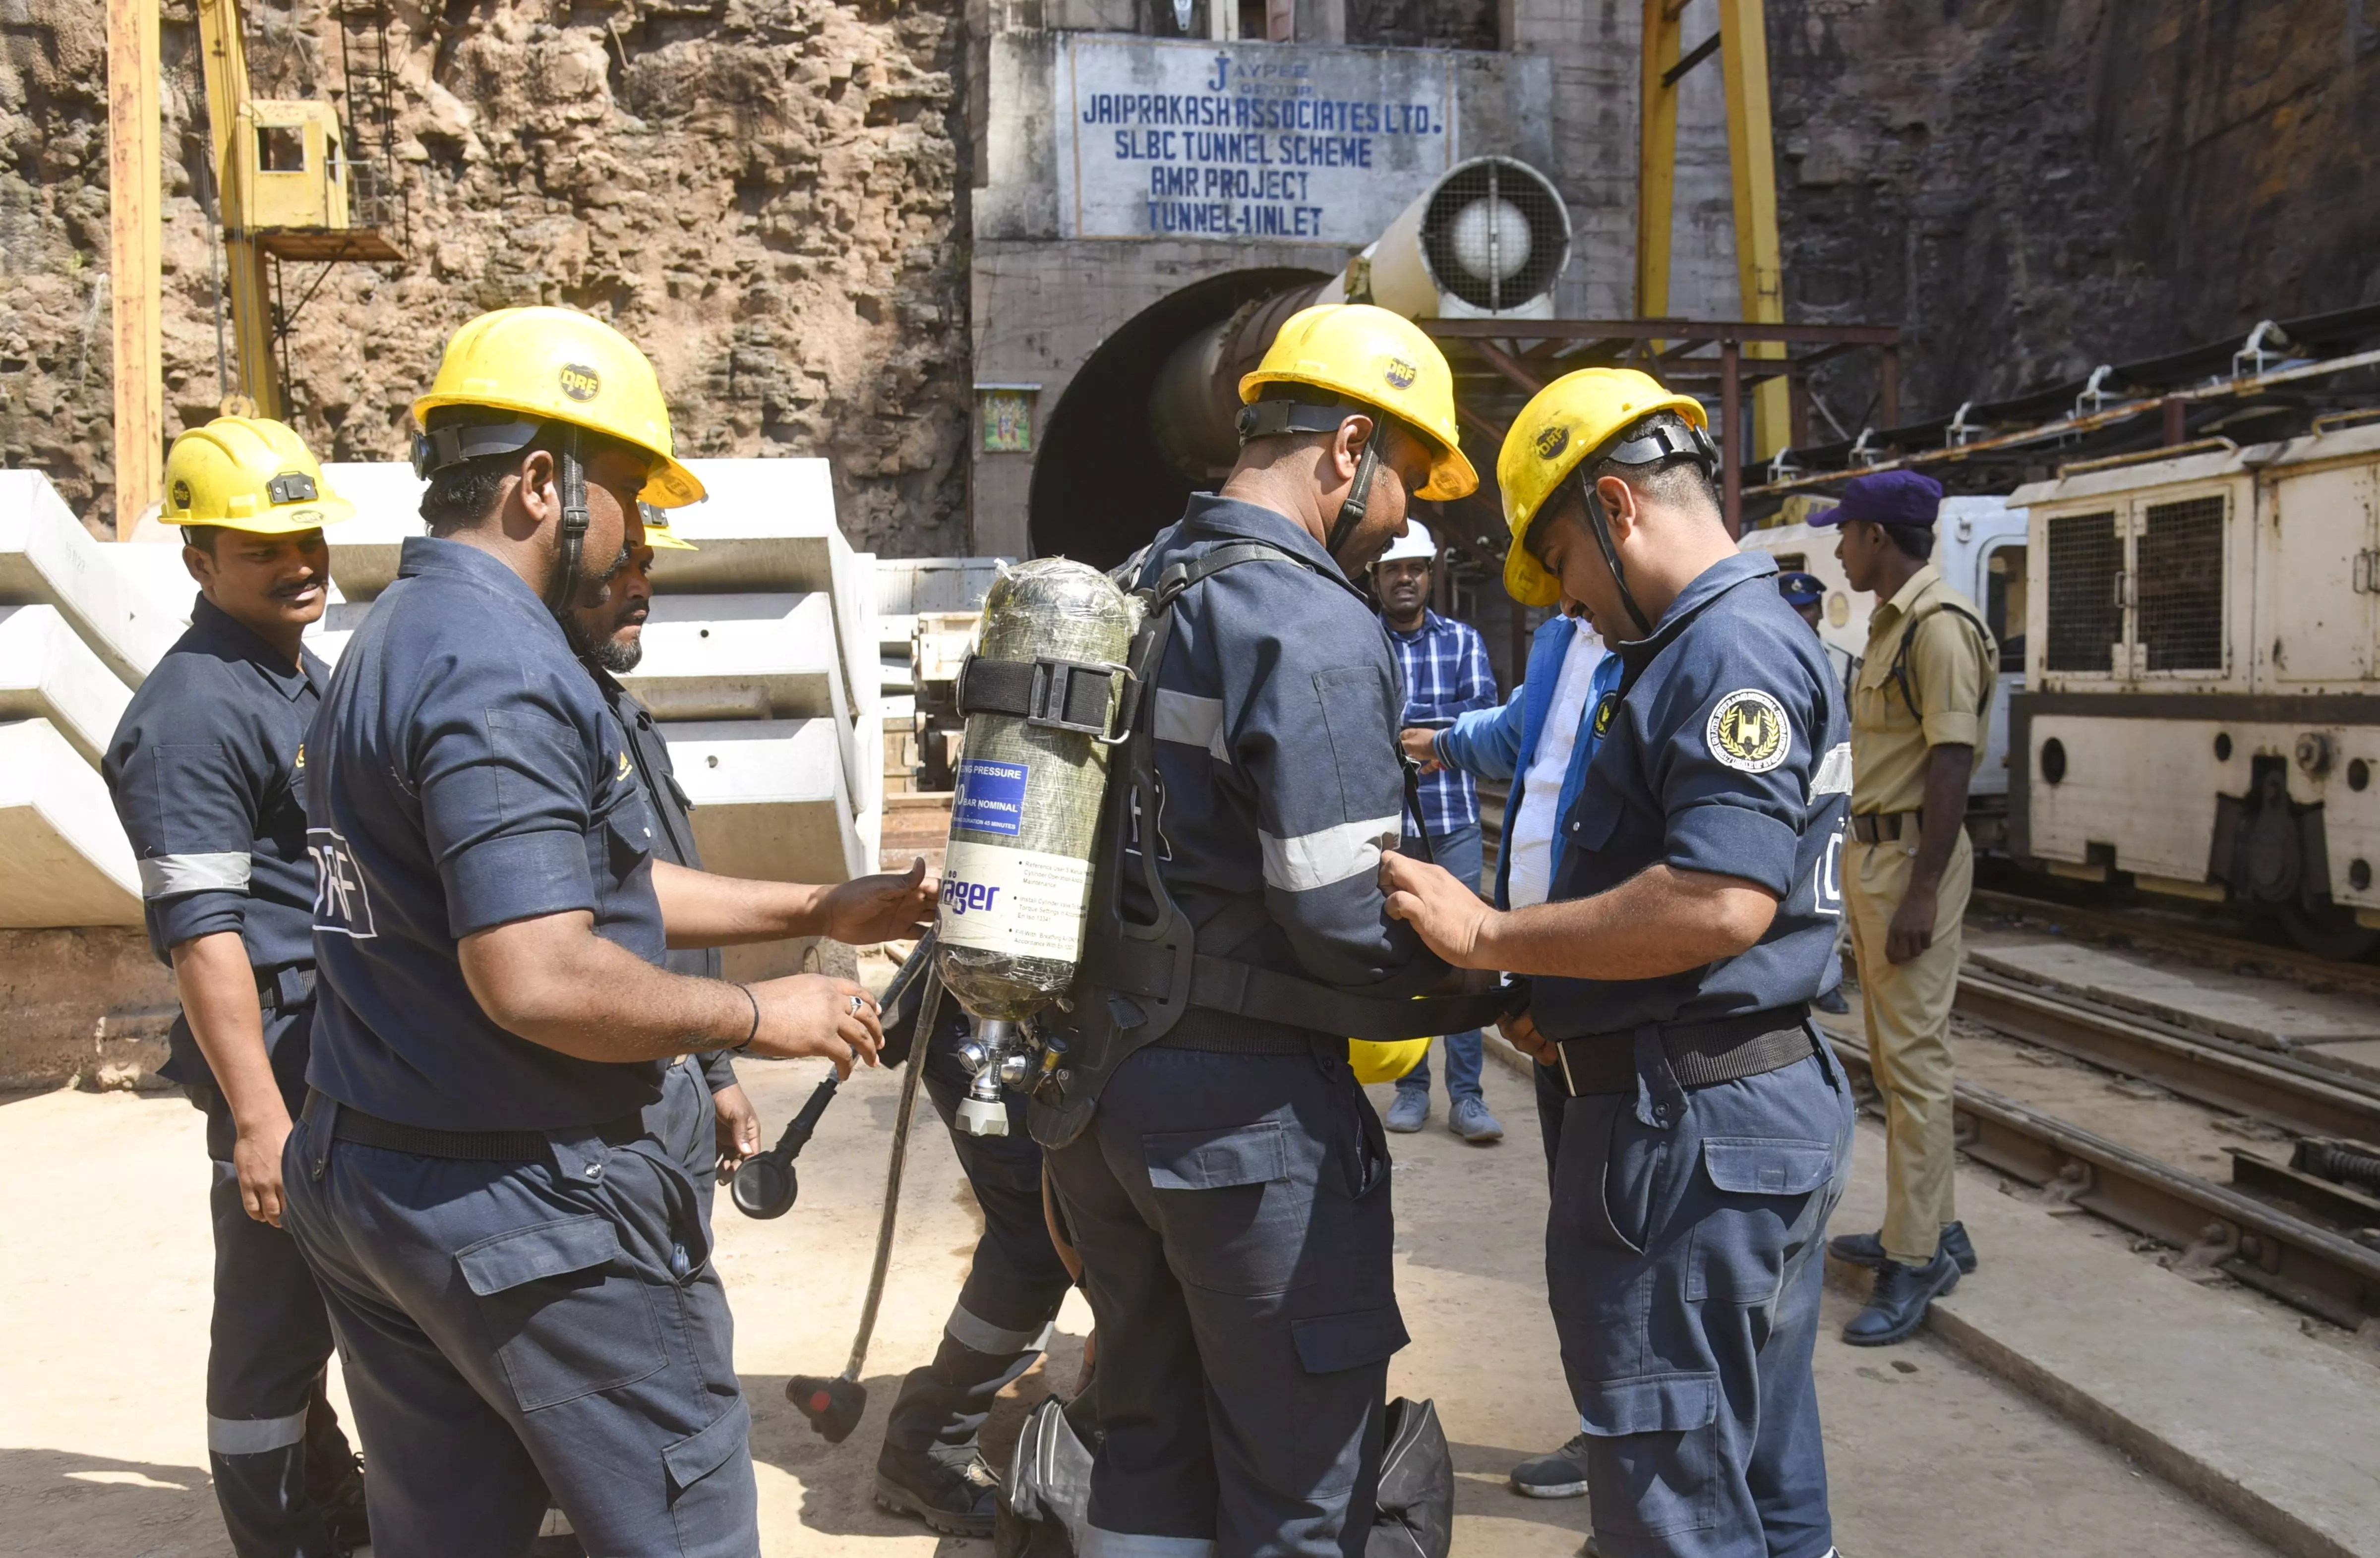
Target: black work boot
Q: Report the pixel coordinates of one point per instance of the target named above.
(951, 1490)
(1867, 1250)
(334, 1476)
(1897, 1306)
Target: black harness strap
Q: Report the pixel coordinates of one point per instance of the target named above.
(1063, 694)
(1899, 669)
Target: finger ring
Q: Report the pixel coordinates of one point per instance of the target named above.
(857, 1003)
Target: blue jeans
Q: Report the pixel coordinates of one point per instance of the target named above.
(1462, 852)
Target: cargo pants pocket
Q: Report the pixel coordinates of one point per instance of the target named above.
(1233, 1220)
(1652, 1453)
(1760, 1214)
(713, 1500)
(566, 1315)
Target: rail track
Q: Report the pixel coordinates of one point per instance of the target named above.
(2219, 950)
(2278, 1249)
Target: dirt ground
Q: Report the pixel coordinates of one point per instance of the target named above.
(101, 1418)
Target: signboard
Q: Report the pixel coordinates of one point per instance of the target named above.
(1182, 138)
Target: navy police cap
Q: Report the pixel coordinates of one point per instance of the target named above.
(1889, 498)
(1800, 589)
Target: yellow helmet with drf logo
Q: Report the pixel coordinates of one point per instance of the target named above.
(1575, 422)
(1381, 359)
(549, 365)
(247, 473)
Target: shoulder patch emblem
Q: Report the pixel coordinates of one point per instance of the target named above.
(1603, 711)
(301, 758)
(627, 767)
(1748, 731)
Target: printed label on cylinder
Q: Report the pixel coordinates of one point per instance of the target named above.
(1018, 901)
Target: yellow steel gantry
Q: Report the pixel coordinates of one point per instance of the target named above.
(282, 183)
(1741, 43)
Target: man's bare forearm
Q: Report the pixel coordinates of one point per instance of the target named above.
(1948, 768)
(699, 909)
(218, 990)
(555, 982)
(1660, 921)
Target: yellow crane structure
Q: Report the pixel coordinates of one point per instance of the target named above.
(1741, 43)
(284, 190)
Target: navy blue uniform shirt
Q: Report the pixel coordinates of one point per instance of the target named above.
(673, 836)
(1727, 752)
(464, 774)
(203, 771)
(1276, 722)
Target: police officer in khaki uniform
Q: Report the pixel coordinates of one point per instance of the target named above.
(1918, 708)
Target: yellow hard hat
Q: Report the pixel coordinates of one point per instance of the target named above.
(1568, 422)
(658, 534)
(557, 365)
(1384, 1061)
(245, 473)
(1381, 359)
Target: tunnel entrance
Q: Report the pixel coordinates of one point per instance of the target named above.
(1100, 485)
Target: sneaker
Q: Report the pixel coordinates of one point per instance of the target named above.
(1895, 1306)
(955, 1497)
(1470, 1119)
(1408, 1111)
(1561, 1475)
(1867, 1250)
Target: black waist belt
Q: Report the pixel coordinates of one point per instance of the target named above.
(1701, 1054)
(1256, 997)
(285, 989)
(1883, 827)
(1222, 1032)
(352, 1124)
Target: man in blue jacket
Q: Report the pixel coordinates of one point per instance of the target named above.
(1541, 740)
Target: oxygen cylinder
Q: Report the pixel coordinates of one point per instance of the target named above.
(1025, 814)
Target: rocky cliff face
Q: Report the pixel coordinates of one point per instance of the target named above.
(762, 193)
(2034, 187)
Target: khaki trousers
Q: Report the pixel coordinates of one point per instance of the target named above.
(1908, 1010)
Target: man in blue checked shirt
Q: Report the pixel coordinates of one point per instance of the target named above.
(1445, 675)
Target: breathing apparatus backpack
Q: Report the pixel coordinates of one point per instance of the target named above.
(1134, 977)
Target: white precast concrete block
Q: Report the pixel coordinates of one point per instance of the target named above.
(48, 559)
(740, 657)
(47, 672)
(388, 496)
(64, 859)
(769, 798)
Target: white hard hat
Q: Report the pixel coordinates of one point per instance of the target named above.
(1415, 542)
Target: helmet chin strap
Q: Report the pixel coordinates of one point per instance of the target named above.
(562, 591)
(1358, 500)
(1600, 523)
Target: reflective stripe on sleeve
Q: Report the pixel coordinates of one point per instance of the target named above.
(972, 1331)
(1834, 775)
(1328, 854)
(1098, 1544)
(1191, 720)
(164, 876)
(254, 1436)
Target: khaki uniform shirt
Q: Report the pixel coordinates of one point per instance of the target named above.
(1951, 665)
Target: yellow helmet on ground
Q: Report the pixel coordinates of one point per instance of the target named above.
(658, 534)
(1381, 359)
(1384, 1061)
(550, 365)
(1571, 421)
(246, 473)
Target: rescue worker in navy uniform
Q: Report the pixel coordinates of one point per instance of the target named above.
(705, 1108)
(203, 770)
(931, 1464)
(1706, 1129)
(514, 1258)
(1229, 1197)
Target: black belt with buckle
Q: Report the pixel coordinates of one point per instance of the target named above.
(351, 1124)
(1884, 828)
(1701, 1054)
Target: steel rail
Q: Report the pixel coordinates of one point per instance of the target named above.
(2214, 1226)
(2226, 1073)
(2364, 978)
